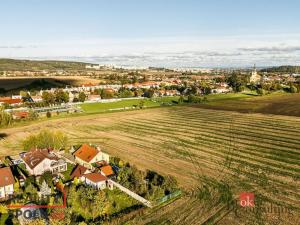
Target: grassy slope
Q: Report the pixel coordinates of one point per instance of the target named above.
(25, 65)
(25, 83)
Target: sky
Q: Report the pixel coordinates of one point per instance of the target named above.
(169, 33)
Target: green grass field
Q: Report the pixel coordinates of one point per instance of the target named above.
(128, 103)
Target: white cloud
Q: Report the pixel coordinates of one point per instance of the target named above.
(171, 52)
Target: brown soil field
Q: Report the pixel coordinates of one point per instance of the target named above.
(281, 104)
(17, 82)
(249, 152)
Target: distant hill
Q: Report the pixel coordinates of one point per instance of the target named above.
(35, 65)
(282, 69)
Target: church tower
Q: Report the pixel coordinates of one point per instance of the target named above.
(254, 78)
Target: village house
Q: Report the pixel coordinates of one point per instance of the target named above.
(86, 155)
(38, 161)
(221, 88)
(10, 101)
(96, 180)
(79, 171)
(37, 98)
(94, 98)
(107, 171)
(6, 182)
(20, 115)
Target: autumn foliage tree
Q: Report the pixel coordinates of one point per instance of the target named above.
(46, 139)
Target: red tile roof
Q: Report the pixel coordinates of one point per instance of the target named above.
(101, 163)
(6, 177)
(107, 170)
(21, 114)
(78, 171)
(86, 152)
(95, 177)
(11, 101)
(36, 156)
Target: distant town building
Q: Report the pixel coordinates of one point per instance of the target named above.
(93, 66)
(255, 77)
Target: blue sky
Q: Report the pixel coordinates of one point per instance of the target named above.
(156, 32)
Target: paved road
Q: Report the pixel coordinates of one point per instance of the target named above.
(132, 194)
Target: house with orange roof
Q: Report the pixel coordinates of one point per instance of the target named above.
(96, 180)
(6, 182)
(107, 171)
(87, 154)
(10, 101)
(20, 115)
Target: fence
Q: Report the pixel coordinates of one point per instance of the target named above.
(168, 197)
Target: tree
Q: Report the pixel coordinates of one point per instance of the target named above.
(149, 93)
(44, 189)
(32, 115)
(17, 186)
(61, 96)
(106, 93)
(30, 189)
(134, 79)
(100, 204)
(5, 118)
(181, 99)
(47, 177)
(46, 139)
(235, 82)
(125, 93)
(293, 89)
(81, 97)
(252, 86)
(260, 91)
(48, 98)
(141, 104)
(48, 114)
(194, 99)
(3, 209)
(145, 78)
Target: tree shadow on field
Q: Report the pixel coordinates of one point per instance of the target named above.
(3, 135)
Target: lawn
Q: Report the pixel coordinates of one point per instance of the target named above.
(120, 202)
(125, 104)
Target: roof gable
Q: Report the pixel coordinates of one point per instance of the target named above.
(86, 152)
(107, 170)
(95, 177)
(78, 171)
(36, 156)
(6, 177)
